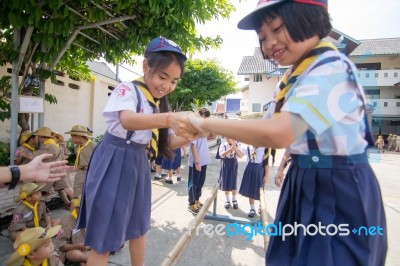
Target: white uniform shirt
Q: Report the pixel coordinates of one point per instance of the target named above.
(124, 98)
(257, 157)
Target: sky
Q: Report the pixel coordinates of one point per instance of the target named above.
(360, 19)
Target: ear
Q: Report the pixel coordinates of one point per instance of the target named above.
(146, 67)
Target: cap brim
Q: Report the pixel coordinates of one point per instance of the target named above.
(169, 49)
(248, 22)
(40, 187)
(78, 134)
(17, 260)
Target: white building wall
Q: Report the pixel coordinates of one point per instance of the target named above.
(82, 106)
(261, 92)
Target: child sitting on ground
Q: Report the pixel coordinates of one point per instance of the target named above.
(31, 210)
(34, 247)
(69, 243)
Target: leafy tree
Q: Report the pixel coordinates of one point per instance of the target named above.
(49, 35)
(204, 82)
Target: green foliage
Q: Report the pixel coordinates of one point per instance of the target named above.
(5, 95)
(4, 153)
(71, 152)
(204, 81)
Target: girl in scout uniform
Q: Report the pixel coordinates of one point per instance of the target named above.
(320, 117)
(31, 211)
(34, 247)
(83, 150)
(229, 152)
(254, 176)
(117, 193)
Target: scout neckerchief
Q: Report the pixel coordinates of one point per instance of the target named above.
(34, 208)
(80, 148)
(74, 213)
(27, 263)
(29, 147)
(153, 149)
(267, 151)
(289, 78)
(51, 141)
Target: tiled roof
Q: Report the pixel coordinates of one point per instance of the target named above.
(256, 64)
(388, 46)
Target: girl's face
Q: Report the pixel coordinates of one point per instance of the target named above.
(163, 81)
(277, 44)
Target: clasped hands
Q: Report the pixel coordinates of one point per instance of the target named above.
(187, 125)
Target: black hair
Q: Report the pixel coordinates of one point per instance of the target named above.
(157, 61)
(205, 112)
(302, 21)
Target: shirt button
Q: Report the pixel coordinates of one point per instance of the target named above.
(315, 159)
(128, 142)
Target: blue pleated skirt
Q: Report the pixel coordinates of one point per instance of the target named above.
(228, 174)
(330, 190)
(116, 202)
(252, 181)
(172, 164)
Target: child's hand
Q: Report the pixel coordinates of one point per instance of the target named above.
(279, 178)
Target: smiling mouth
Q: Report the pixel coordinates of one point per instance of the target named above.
(278, 53)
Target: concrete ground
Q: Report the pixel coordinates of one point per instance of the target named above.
(170, 219)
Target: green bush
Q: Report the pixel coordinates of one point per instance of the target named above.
(4, 153)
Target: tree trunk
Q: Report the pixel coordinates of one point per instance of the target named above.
(23, 121)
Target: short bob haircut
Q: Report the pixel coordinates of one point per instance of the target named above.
(302, 21)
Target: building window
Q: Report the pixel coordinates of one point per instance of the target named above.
(372, 92)
(367, 75)
(257, 78)
(376, 75)
(385, 104)
(397, 104)
(256, 107)
(396, 74)
(374, 104)
(386, 75)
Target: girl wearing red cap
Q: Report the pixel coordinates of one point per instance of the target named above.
(330, 191)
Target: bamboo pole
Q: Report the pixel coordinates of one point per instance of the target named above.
(264, 216)
(184, 240)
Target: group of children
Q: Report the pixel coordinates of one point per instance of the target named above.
(31, 215)
(393, 141)
(254, 177)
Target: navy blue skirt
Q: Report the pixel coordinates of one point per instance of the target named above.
(172, 164)
(116, 202)
(330, 190)
(252, 181)
(228, 174)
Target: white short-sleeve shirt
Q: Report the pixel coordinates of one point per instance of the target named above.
(124, 97)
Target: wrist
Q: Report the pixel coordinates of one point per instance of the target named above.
(167, 120)
(15, 176)
(196, 163)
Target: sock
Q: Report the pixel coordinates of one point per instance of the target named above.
(228, 199)
(252, 206)
(233, 197)
(169, 177)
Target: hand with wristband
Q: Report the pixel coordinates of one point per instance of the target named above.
(36, 170)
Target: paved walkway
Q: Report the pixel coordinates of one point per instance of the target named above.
(170, 219)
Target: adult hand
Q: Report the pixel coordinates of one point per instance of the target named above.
(38, 171)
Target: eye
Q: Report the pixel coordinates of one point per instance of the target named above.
(278, 28)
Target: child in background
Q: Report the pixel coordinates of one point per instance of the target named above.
(34, 247)
(380, 142)
(158, 165)
(171, 165)
(254, 177)
(84, 148)
(31, 211)
(229, 152)
(199, 157)
(27, 142)
(330, 181)
(69, 243)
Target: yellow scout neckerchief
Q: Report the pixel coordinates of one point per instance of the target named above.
(155, 104)
(80, 148)
(27, 263)
(34, 208)
(74, 213)
(26, 145)
(289, 78)
(51, 141)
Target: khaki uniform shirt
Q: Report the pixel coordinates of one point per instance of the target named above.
(23, 217)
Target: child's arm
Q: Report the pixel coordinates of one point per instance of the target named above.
(47, 219)
(238, 151)
(196, 159)
(279, 175)
(266, 174)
